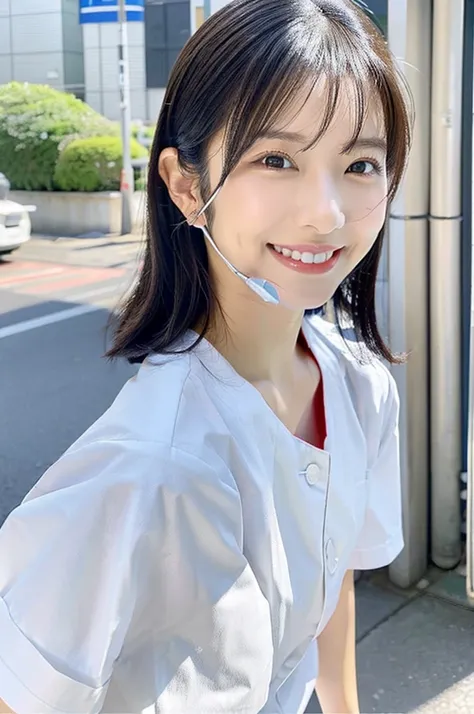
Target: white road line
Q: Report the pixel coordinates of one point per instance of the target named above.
(44, 320)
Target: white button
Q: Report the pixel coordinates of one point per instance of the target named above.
(313, 474)
(332, 561)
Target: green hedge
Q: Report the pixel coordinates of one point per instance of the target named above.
(36, 121)
(93, 164)
(147, 132)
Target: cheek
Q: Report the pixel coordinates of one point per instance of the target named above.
(255, 202)
(242, 219)
(366, 231)
(371, 221)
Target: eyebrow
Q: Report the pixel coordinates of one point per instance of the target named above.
(370, 142)
(292, 136)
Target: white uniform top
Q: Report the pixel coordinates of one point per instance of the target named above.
(186, 551)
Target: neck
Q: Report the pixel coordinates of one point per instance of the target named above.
(259, 340)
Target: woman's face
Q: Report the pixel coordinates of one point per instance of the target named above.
(302, 219)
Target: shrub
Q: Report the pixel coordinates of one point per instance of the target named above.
(144, 134)
(93, 164)
(35, 122)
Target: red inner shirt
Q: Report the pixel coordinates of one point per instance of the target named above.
(319, 413)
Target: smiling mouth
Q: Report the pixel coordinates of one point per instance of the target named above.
(309, 260)
(306, 257)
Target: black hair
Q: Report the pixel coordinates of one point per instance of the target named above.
(238, 72)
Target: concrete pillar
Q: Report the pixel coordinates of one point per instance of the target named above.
(410, 40)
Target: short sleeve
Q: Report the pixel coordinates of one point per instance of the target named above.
(381, 539)
(125, 563)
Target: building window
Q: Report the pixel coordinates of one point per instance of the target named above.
(167, 29)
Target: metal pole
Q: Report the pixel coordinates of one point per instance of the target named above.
(126, 184)
(470, 448)
(10, 28)
(207, 9)
(445, 281)
(468, 253)
(410, 40)
(101, 71)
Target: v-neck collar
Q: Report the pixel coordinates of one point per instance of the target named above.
(219, 366)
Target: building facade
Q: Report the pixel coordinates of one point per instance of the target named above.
(153, 48)
(41, 42)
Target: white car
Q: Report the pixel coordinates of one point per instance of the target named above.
(15, 225)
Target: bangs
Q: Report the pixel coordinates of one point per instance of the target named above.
(279, 81)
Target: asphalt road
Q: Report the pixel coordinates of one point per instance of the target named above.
(55, 302)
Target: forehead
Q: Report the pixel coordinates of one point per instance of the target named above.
(352, 112)
(354, 115)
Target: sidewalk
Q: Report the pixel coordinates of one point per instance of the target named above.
(416, 648)
(102, 251)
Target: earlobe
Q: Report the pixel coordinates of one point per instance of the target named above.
(183, 189)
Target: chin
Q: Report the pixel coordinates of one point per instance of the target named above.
(300, 303)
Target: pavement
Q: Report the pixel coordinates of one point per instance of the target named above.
(94, 251)
(415, 647)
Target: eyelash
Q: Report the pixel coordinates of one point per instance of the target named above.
(369, 160)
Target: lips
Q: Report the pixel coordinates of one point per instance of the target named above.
(308, 259)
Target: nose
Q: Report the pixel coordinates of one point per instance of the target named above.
(321, 208)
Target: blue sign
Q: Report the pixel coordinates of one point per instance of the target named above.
(99, 11)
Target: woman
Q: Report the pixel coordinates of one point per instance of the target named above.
(194, 550)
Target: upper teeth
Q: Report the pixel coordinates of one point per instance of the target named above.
(305, 257)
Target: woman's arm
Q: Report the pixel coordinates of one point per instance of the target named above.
(337, 681)
(4, 709)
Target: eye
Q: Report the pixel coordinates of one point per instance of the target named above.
(365, 167)
(277, 162)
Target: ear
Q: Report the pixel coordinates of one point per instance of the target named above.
(182, 188)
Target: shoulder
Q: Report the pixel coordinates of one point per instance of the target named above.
(125, 475)
(147, 406)
(371, 386)
(154, 436)
(366, 371)
(167, 403)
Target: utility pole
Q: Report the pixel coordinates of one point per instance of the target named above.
(126, 182)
